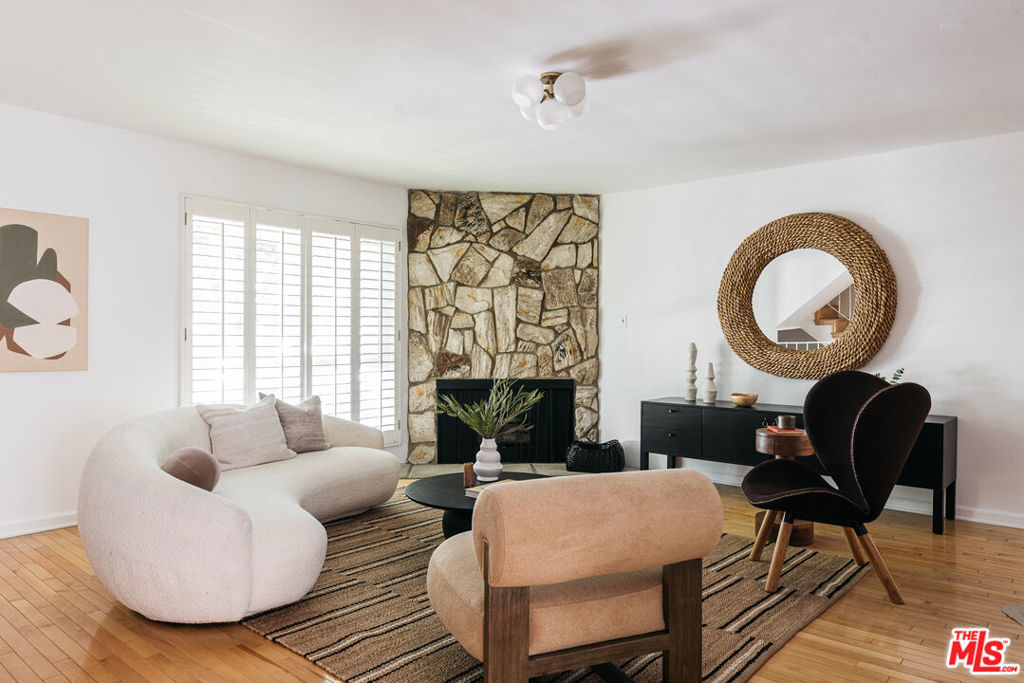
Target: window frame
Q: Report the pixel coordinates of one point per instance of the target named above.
(191, 204)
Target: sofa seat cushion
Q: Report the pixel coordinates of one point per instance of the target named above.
(329, 484)
(562, 615)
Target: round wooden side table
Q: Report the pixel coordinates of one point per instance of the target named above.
(787, 445)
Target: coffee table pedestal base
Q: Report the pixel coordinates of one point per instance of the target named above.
(456, 521)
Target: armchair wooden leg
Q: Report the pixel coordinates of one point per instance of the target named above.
(506, 631)
(779, 556)
(880, 569)
(856, 549)
(681, 589)
(762, 534)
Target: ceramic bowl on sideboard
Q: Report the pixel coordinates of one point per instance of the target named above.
(745, 400)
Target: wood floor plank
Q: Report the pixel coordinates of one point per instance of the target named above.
(58, 622)
(71, 671)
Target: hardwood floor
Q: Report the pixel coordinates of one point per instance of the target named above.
(58, 623)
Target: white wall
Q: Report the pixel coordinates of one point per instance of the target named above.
(129, 186)
(951, 219)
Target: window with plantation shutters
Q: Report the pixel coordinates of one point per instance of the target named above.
(290, 304)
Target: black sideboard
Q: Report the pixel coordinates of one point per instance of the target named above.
(724, 432)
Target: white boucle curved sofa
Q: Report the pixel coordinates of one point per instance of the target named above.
(175, 552)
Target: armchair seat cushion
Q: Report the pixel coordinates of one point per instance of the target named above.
(792, 486)
(562, 615)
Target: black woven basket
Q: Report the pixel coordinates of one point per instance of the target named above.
(583, 456)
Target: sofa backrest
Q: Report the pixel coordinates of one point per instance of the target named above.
(151, 439)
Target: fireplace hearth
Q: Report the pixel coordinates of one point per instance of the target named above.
(553, 421)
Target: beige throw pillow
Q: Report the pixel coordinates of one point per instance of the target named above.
(243, 436)
(193, 466)
(303, 424)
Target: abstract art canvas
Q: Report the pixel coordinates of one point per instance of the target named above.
(44, 292)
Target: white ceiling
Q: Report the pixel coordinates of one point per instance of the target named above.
(417, 93)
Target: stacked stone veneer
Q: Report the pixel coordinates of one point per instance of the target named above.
(501, 285)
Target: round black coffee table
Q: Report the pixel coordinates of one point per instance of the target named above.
(446, 492)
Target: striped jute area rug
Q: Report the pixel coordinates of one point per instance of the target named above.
(368, 617)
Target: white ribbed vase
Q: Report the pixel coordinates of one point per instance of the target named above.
(488, 461)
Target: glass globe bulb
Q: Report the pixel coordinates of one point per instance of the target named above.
(551, 114)
(570, 88)
(528, 91)
(528, 112)
(578, 110)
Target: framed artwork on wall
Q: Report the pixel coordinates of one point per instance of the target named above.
(44, 292)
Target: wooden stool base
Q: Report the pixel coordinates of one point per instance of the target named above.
(803, 532)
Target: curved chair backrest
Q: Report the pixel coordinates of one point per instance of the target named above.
(883, 436)
(830, 412)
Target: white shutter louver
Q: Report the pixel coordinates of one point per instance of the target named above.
(217, 316)
(331, 320)
(377, 325)
(277, 279)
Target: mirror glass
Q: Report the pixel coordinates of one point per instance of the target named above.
(804, 299)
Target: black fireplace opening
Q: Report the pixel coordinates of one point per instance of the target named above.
(553, 422)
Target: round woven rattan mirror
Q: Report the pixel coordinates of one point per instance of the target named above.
(873, 280)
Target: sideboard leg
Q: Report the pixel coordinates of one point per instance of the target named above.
(645, 460)
(937, 499)
(951, 500)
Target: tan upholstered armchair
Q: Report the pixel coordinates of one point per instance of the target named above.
(569, 572)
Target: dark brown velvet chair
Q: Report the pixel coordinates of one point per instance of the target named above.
(862, 430)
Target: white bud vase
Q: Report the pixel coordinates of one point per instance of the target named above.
(488, 461)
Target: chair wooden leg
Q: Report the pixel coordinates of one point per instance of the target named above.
(779, 556)
(880, 569)
(762, 534)
(506, 631)
(681, 589)
(856, 549)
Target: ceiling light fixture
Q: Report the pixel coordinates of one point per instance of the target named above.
(551, 99)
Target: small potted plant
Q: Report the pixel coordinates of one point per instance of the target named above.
(498, 414)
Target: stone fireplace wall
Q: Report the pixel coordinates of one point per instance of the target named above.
(501, 285)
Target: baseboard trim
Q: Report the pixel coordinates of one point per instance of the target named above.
(990, 516)
(37, 524)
